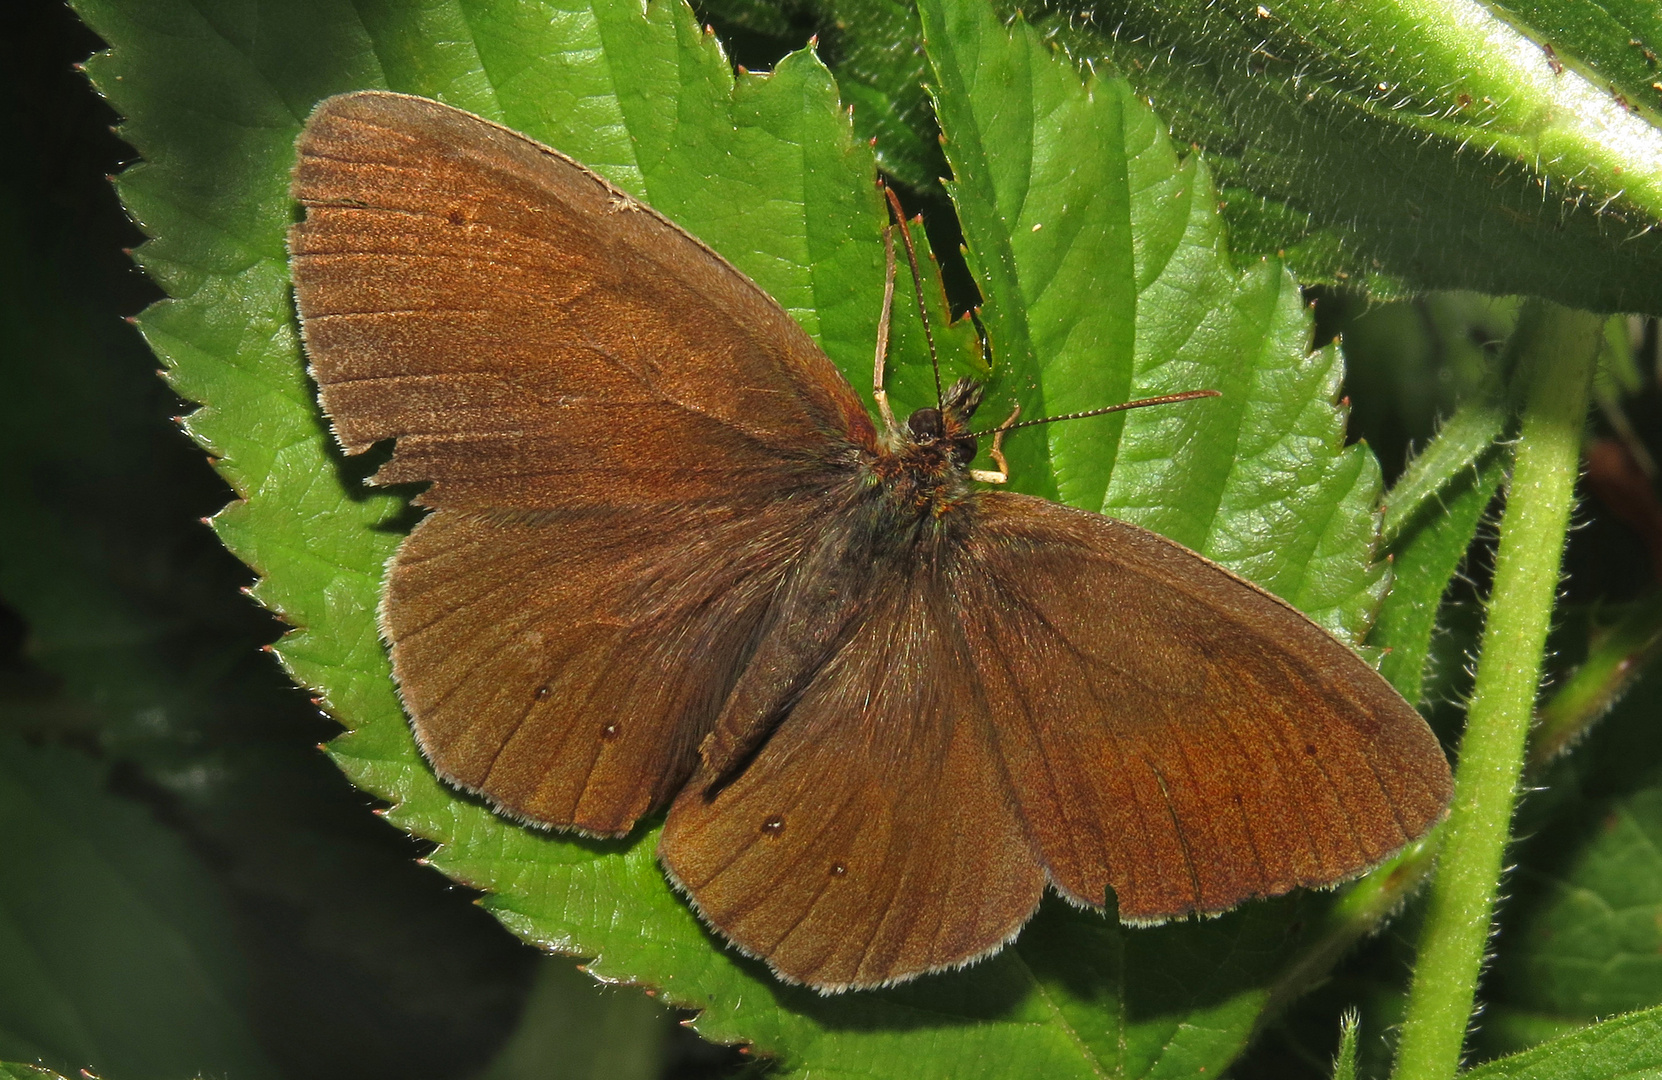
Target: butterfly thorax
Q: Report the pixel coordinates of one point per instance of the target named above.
(923, 467)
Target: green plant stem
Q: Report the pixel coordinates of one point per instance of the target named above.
(1557, 347)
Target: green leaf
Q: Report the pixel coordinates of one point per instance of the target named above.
(1433, 511)
(13, 1070)
(1106, 278)
(1426, 560)
(1388, 146)
(1125, 289)
(1614, 41)
(118, 949)
(1626, 1047)
(1592, 945)
(1410, 366)
(1391, 147)
(1462, 444)
(1617, 657)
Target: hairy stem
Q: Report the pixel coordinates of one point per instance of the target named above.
(1557, 347)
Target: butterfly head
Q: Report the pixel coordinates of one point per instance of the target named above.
(948, 427)
(924, 464)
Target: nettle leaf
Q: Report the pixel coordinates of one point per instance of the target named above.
(1509, 149)
(1627, 1046)
(1397, 148)
(1106, 276)
(1581, 934)
(1125, 289)
(1594, 945)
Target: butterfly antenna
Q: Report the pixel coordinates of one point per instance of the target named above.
(1163, 399)
(917, 289)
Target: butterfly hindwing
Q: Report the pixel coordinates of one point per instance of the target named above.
(569, 667)
(872, 837)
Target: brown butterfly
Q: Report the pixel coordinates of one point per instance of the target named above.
(671, 560)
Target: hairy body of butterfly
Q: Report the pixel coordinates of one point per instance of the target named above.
(924, 466)
(671, 561)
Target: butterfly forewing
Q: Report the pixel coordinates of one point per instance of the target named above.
(624, 440)
(533, 337)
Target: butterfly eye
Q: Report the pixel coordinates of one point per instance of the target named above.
(964, 449)
(925, 425)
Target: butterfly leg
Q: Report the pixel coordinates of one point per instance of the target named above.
(1002, 474)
